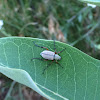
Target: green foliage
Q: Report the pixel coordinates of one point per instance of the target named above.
(30, 17)
(79, 79)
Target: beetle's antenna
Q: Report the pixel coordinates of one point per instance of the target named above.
(54, 49)
(61, 51)
(54, 46)
(47, 66)
(39, 46)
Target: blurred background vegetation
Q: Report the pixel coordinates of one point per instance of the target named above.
(69, 21)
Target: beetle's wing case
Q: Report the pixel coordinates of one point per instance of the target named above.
(47, 55)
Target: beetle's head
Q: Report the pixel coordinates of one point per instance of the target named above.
(57, 57)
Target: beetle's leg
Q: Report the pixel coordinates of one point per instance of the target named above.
(39, 59)
(39, 46)
(47, 66)
(61, 51)
(59, 64)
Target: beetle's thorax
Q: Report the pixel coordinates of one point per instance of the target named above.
(46, 54)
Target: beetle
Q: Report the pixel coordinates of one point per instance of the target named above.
(49, 55)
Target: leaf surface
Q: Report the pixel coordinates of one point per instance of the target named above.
(79, 79)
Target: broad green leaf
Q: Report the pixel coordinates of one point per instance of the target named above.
(95, 2)
(79, 79)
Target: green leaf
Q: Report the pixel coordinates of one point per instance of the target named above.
(95, 2)
(79, 79)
